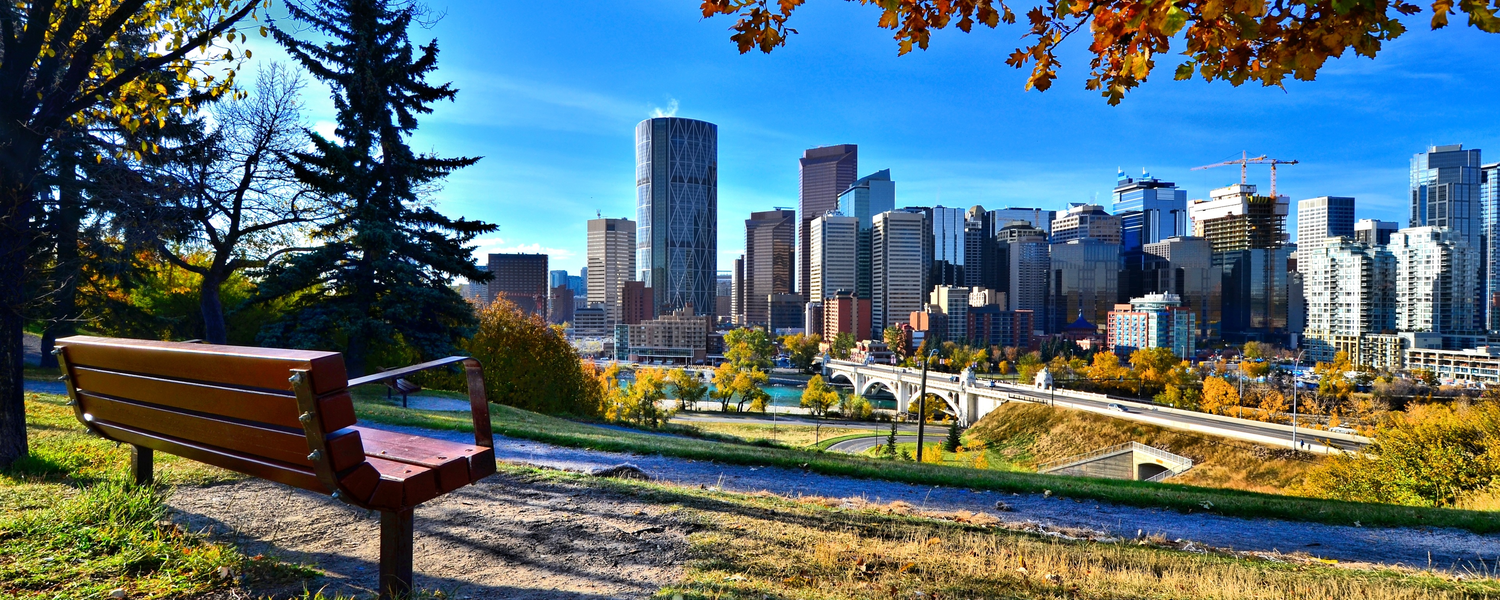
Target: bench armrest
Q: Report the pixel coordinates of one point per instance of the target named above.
(478, 405)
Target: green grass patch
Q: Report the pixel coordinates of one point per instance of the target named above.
(542, 428)
(71, 527)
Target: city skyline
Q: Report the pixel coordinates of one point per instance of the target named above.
(552, 112)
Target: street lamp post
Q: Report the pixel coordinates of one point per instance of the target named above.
(922, 405)
(1295, 366)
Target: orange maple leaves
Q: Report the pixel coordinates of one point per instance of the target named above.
(1231, 40)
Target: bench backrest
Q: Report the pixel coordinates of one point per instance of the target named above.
(228, 406)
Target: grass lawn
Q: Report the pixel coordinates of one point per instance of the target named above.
(528, 425)
(933, 453)
(796, 436)
(70, 527)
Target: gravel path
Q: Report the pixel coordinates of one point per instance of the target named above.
(1413, 547)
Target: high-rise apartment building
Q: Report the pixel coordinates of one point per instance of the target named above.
(1436, 271)
(1085, 222)
(833, 263)
(1323, 218)
(1150, 210)
(1374, 232)
(866, 197)
(521, 279)
(770, 257)
(1025, 262)
(611, 262)
(896, 261)
(1350, 291)
(1152, 321)
(824, 173)
(677, 211)
(1084, 282)
(844, 312)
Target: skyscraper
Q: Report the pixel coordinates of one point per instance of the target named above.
(1322, 218)
(896, 249)
(737, 291)
(981, 260)
(1150, 210)
(1445, 186)
(1025, 263)
(1040, 219)
(770, 252)
(949, 228)
(521, 279)
(825, 173)
(1489, 199)
(1183, 266)
(1247, 232)
(833, 264)
(677, 208)
(1085, 222)
(611, 263)
(1085, 282)
(866, 197)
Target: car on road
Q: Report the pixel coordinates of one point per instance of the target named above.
(1343, 430)
(1113, 406)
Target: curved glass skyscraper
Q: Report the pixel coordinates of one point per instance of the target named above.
(677, 212)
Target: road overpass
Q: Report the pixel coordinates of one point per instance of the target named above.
(969, 399)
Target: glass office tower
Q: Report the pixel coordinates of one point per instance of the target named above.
(866, 197)
(677, 198)
(1150, 210)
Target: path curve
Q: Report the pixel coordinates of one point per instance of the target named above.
(862, 445)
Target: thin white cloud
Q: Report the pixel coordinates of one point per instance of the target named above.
(670, 111)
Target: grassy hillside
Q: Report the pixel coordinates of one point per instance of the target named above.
(1030, 434)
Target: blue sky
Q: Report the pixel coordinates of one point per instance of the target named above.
(550, 94)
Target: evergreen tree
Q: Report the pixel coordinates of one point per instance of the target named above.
(954, 437)
(890, 442)
(384, 269)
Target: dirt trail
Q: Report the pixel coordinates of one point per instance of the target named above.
(501, 538)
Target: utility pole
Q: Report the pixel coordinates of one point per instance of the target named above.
(1295, 367)
(922, 405)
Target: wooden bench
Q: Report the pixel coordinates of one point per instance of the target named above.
(281, 415)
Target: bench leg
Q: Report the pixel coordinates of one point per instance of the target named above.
(140, 465)
(395, 554)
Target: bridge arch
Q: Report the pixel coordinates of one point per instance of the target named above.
(872, 383)
(840, 378)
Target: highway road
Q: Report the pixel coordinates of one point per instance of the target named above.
(860, 445)
(1136, 411)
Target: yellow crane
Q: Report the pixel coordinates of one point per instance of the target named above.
(1245, 159)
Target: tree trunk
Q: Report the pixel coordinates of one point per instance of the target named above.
(68, 268)
(19, 158)
(214, 331)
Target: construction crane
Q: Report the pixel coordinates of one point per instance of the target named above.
(1246, 159)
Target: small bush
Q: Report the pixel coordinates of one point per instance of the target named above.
(529, 364)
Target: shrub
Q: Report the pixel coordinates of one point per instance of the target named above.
(529, 364)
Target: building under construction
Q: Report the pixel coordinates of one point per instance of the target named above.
(1247, 233)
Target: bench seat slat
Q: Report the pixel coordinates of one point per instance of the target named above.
(239, 366)
(244, 438)
(293, 475)
(402, 485)
(450, 460)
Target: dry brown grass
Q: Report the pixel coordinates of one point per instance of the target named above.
(1031, 434)
(761, 546)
